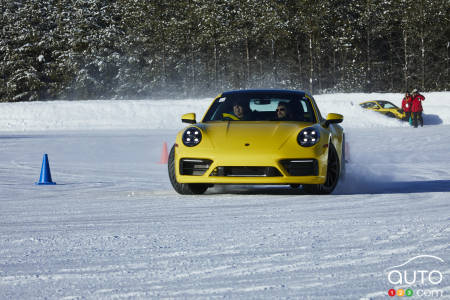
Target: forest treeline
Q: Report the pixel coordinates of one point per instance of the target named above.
(106, 49)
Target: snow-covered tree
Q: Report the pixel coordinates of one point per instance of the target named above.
(96, 49)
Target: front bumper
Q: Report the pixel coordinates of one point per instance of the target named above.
(247, 167)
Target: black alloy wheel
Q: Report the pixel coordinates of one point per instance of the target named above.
(333, 172)
(183, 188)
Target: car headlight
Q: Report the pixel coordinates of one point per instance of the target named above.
(192, 137)
(308, 137)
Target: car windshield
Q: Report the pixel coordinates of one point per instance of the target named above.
(261, 107)
(387, 104)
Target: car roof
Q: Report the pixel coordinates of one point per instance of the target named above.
(262, 91)
(376, 100)
(372, 101)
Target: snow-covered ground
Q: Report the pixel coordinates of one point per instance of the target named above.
(166, 114)
(113, 227)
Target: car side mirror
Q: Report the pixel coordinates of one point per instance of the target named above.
(333, 119)
(188, 118)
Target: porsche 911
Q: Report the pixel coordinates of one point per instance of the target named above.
(385, 107)
(270, 137)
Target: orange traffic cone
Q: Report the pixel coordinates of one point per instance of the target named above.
(164, 155)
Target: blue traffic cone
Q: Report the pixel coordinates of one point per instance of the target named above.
(46, 176)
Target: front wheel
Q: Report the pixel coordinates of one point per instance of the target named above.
(182, 188)
(344, 160)
(333, 172)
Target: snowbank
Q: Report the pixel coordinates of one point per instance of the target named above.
(166, 114)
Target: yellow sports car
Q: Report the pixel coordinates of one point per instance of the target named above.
(259, 137)
(385, 107)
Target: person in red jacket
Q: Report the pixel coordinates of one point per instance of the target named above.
(406, 105)
(416, 108)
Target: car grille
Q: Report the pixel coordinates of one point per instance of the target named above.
(196, 167)
(301, 167)
(246, 172)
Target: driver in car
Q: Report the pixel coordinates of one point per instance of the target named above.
(241, 111)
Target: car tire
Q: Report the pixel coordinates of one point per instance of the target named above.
(183, 188)
(390, 115)
(332, 178)
(343, 161)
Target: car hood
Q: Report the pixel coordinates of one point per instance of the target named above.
(267, 135)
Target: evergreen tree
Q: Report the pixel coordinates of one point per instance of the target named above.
(106, 49)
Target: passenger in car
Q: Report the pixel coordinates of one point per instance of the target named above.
(283, 112)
